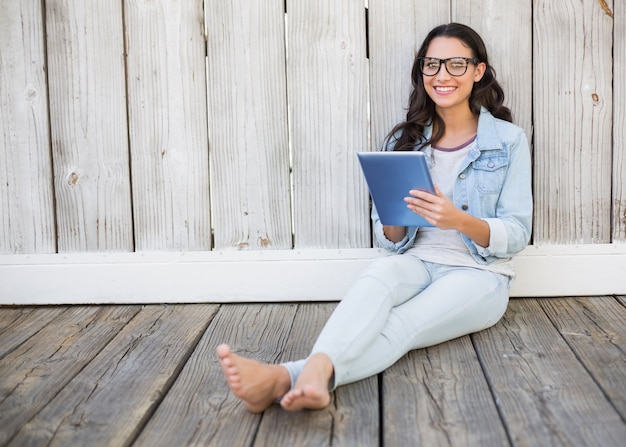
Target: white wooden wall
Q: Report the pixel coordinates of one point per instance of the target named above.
(213, 126)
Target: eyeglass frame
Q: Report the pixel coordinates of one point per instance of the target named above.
(444, 62)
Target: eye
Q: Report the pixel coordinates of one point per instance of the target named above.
(458, 63)
(431, 63)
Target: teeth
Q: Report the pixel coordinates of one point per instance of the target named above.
(445, 89)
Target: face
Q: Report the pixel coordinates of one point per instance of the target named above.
(451, 92)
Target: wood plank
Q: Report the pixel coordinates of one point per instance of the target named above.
(619, 123)
(594, 328)
(35, 372)
(512, 59)
(439, 396)
(327, 80)
(200, 409)
(279, 427)
(247, 99)
(573, 121)
(357, 414)
(26, 196)
(537, 381)
(113, 396)
(544, 395)
(20, 323)
(350, 419)
(88, 124)
(167, 117)
(396, 31)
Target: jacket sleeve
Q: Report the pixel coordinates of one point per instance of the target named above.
(510, 230)
(383, 242)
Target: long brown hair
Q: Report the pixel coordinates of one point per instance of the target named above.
(421, 112)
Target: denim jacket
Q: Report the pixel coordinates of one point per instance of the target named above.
(493, 184)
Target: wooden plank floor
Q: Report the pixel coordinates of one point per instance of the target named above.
(551, 373)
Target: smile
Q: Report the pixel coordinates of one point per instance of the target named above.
(442, 89)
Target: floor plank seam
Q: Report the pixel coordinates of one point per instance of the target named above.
(491, 386)
(581, 361)
(150, 412)
(2, 356)
(381, 412)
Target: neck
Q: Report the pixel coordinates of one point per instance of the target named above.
(457, 116)
(460, 125)
(458, 119)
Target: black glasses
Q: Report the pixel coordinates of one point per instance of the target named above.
(456, 66)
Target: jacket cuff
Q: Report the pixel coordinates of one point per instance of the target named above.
(498, 239)
(385, 243)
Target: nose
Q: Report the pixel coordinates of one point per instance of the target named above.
(443, 73)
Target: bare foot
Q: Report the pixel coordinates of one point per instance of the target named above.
(311, 389)
(258, 385)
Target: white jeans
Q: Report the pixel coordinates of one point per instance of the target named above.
(400, 303)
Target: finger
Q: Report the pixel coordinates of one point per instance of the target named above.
(423, 195)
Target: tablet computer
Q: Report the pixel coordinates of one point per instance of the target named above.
(390, 176)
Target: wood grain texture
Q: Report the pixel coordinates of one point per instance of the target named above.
(240, 120)
(279, 427)
(351, 419)
(88, 123)
(26, 196)
(511, 57)
(573, 105)
(19, 324)
(42, 366)
(544, 396)
(357, 414)
(593, 329)
(619, 124)
(396, 31)
(167, 118)
(439, 396)
(327, 84)
(200, 409)
(247, 100)
(110, 399)
(149, 376)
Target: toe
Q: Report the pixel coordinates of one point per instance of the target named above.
(223, 350)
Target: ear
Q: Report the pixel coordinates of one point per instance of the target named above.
(479, 71)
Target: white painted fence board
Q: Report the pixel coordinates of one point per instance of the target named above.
(573, 112)
(619, 124)
(88, 125)
(26, 203)
(327, 83)
(273, 275)
(272, 80)
(250, 186)
(167, 114)
(506, 29)
(396, 32)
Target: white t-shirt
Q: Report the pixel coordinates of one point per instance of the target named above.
(446, 246)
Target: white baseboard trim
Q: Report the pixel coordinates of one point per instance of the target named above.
(272, 276)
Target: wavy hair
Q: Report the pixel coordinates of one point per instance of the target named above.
(421, 112)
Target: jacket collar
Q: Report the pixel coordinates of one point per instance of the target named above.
(487, 135)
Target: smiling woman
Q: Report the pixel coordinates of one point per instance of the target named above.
(444, 281)
(451, 88)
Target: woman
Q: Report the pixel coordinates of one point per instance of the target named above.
(444, 281)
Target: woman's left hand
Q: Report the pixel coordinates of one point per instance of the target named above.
(439, 211)
(436, 208)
